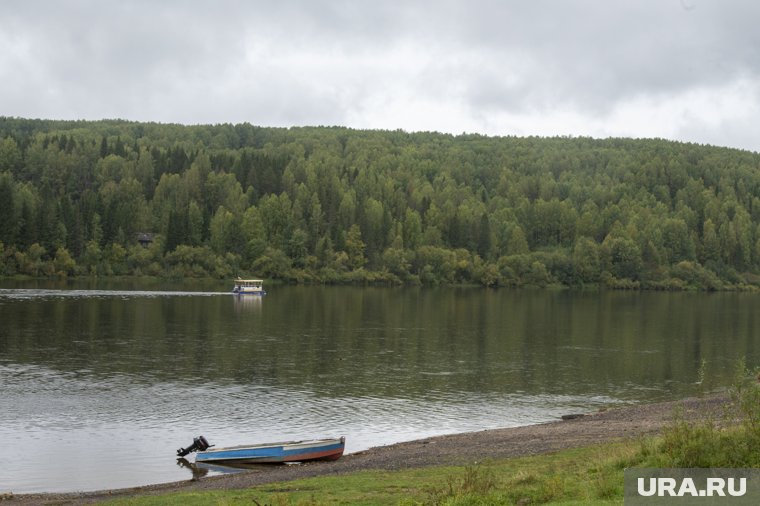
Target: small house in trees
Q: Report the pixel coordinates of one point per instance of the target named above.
(145, 239)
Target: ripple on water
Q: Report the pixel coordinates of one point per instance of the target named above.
(28, 294)
(129, 430)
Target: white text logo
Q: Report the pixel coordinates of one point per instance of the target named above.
(715, 487)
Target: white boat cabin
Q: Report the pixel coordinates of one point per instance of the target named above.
(249, 286)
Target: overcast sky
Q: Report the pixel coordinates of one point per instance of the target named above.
(679, 69)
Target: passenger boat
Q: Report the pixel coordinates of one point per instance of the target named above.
(249, 287)
(290, 451)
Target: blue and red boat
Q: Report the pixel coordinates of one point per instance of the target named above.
(290, 451)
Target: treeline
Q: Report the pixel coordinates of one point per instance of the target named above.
(339, 205)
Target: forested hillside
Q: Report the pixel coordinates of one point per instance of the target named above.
(339, 205)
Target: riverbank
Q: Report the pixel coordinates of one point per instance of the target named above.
(458, 449)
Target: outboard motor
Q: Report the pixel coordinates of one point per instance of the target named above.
(199, 444)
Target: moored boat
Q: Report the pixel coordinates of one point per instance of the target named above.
(290, 451)
(249, 287)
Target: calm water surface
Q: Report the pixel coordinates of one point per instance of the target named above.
(101, 384)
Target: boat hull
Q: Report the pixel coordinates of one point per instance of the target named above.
(291, 451)
(249, 292)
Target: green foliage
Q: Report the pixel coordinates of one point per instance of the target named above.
(730, 441)
(273, 263)
(355, 247)
(696, 276)
(586, 261)
(622, 257)
(198, 261)
(526, 269)
(396, 260)
(63, 263)
(8, 218)
(336, 205)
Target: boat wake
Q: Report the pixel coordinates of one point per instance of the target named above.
(29, 293)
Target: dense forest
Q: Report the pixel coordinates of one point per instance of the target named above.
(336, 205)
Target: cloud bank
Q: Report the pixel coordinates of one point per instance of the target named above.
(686, 70)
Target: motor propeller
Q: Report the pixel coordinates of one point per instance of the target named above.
(200, 444)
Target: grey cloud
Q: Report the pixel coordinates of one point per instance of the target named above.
(320, 62)
(595, 53)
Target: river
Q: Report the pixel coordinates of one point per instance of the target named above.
(103, 381)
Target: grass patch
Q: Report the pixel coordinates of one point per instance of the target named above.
(731, 440)
(591, 475)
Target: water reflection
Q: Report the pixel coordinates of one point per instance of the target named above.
(197, 472)
(250, 303)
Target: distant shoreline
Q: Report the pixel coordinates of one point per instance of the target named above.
(586, 429)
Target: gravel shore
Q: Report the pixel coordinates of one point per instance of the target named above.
(456, 449)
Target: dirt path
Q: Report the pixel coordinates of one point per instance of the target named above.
(456, 449)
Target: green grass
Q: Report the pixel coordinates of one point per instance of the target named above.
(591, 475)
